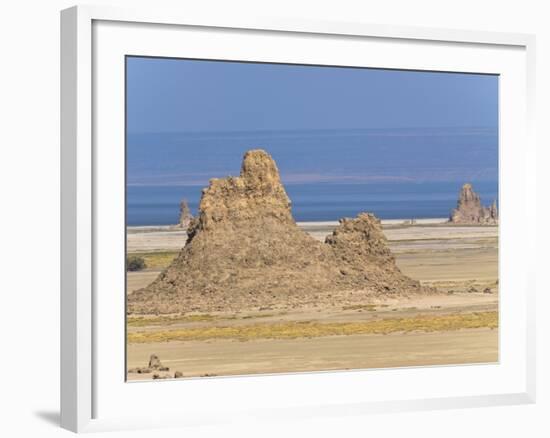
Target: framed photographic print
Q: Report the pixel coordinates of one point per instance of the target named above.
(283, 218)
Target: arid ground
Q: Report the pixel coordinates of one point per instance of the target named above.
(460, 325)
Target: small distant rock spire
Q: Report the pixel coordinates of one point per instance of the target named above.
(469, 209)
(493, 211)
(185, 214)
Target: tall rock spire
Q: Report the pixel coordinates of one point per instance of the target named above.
(245, 251)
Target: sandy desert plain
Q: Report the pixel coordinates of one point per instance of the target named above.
(457, 326)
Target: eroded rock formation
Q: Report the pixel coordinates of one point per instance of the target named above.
(185, 215)
(469, 209)
(154, 365)
(245, 251)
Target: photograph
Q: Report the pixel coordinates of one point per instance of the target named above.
(283, 219)
(286, 218)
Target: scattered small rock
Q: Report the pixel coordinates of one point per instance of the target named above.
(154, 365)
(161, 377)
(487, 290)
(178, 375)
(154, 361)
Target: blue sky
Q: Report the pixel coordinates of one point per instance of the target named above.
(191, 120)
(173, 95)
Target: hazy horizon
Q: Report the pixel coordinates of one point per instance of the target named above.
(314, 156)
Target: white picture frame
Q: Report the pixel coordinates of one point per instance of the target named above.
(92, 389)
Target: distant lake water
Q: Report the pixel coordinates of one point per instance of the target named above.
(159, 205)
(328, 174)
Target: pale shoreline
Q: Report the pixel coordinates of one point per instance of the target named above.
(432, 232)
(301, 224)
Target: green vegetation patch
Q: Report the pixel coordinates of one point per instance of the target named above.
(135, 263)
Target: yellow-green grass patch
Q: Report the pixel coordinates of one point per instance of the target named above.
(156, 260)
(311, 329)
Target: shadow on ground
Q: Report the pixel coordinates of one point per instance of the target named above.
(51, 417)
